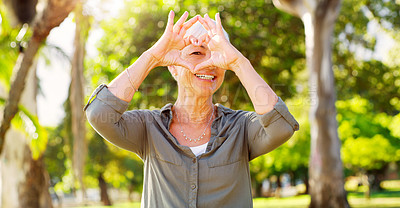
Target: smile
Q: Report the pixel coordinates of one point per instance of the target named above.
(205, 77)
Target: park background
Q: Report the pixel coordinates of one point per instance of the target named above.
(51, 154)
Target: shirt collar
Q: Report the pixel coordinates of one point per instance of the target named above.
(167, 109)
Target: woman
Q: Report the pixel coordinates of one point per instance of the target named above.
(195, 153)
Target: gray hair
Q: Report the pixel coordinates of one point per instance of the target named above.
(197, 30)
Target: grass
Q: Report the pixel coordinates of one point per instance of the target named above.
(389, 198)
(384, 199)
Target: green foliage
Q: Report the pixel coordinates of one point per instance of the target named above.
(8, 48)
(56, 153)
(355, 75)
(28, 123)
(369, 141)
(368, 153)
(120, 168)
(371, 80)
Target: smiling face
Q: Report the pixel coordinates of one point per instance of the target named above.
(206, 81)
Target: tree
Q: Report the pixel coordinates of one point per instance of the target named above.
(54, 13)
(326, 171)
(369, 141)
(32, 183)
(77, 97)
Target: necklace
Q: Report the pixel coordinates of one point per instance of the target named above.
(201, 135)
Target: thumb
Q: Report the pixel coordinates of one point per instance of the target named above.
(205, 64)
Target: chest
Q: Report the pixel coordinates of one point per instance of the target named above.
(190, 135)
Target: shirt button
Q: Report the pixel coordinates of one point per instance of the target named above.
(193, 186)
(194, 160)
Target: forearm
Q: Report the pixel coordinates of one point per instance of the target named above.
(121, 86)
(260, 93)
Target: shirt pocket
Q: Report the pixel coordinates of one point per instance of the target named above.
(229, 152)
(166, 153)
(169, 158)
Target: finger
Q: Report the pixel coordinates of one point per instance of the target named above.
(209, 21)
(187, 25)
(192, 40)
(187, 40)
(179, 23)
(204, 23)
(170, 23)
(190, 22)
(203, 39)
(205, 64)
(220, 31)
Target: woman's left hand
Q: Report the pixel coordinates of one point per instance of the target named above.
(223, 54)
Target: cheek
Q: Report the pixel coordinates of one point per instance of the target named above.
(196, 59)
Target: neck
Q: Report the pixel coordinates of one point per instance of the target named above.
(193, 109)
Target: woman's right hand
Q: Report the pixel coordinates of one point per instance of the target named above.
(166, 51)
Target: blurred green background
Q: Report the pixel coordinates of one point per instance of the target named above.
(366, 66)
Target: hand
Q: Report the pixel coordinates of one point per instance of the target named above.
(223, 54)
(166, 51)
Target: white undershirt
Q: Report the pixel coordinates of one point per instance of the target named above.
(198, 150)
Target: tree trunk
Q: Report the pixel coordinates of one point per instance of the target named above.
(130, 191)
(24, 181)
(306, 182)
(278, 187)
(325, 168)
(77, 96)
(293, 176)
(103, 191)
(365, 182)
(22, 67)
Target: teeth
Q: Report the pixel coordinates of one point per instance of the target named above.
(204, 76)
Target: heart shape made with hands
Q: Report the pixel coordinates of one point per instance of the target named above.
(168, 49)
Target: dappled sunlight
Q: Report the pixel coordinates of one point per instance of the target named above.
(114, 34)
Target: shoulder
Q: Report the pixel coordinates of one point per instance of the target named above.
(150, 113)
(234, 115)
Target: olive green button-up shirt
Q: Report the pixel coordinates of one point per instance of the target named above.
(173, 175)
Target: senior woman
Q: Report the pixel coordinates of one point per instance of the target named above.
(195, 153)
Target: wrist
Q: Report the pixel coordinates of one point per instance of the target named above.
(239, 65)
(149, 59)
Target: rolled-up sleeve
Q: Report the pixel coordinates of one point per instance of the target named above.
(106, 114)
(268, 131)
